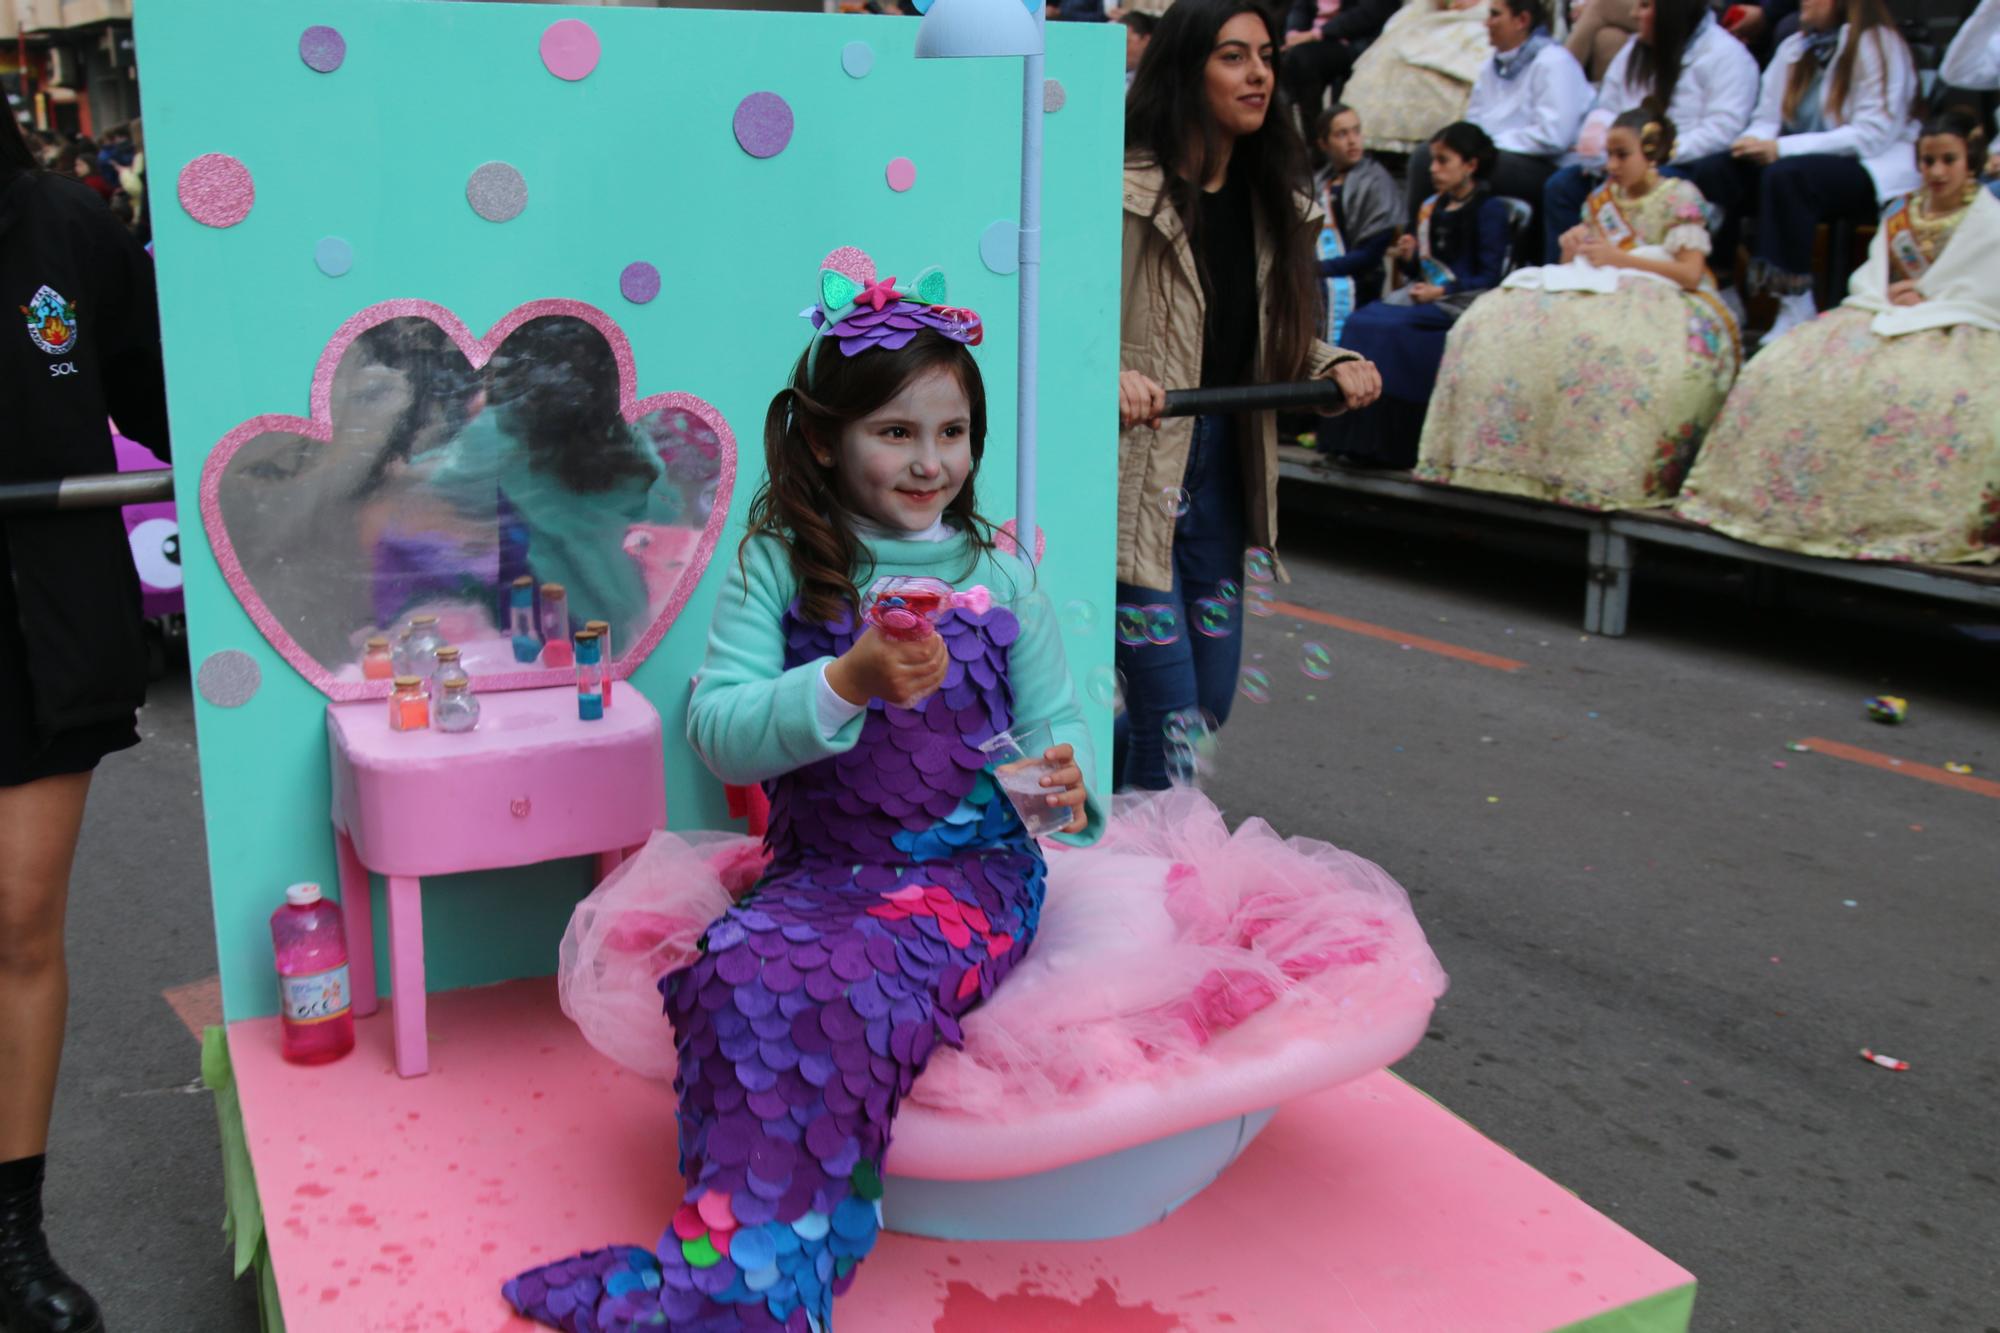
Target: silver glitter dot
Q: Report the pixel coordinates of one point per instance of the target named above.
(497, 192)
(1053, 95)
(228, 678)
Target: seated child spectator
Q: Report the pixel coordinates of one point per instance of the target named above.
(1358, 197)
(1529, 97)
(1832, 140)
(1590, 382)
(1458, 243)
(1686, 66)
(1873, 433)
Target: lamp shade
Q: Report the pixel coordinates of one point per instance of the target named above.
(955, 28)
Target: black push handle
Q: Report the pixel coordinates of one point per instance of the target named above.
(1308, 395)
(106, 491)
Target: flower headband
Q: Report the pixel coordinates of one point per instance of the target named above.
(864, 312)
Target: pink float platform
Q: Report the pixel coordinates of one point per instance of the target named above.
(402, 1205)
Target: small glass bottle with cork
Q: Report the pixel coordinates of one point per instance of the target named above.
(454, 707)
(409, 709)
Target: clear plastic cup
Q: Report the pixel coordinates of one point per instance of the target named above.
(1016, 759)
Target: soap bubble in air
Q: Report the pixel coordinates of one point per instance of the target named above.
(1106, 687)
(1163, 624)
(1229, 592)
(1211, 617)
(1316, 661)
(1261, 564)
(1261, 600)
(1255, 685)
(1131, 624)
(1079, 616)
(1190, 736)
(1174, 500)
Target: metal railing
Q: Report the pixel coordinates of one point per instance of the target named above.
(109, 490)
(1306, 396)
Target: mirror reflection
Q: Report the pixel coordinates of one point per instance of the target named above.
(445, 486)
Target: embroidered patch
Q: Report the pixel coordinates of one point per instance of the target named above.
(51, 322)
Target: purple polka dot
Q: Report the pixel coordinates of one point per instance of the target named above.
(322, 48)
(640, 282)
(570, 49)
(216, 190)
(902, 174)
(763, 124)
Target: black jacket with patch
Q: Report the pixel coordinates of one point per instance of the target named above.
(79, 343)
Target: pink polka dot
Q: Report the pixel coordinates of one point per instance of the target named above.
(570, 49)
(902, 174)
(216, 190)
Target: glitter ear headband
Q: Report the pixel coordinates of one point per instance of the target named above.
(863, 312)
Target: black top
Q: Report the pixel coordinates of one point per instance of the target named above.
(1228, 266)
(80, 343)
(1470, 239)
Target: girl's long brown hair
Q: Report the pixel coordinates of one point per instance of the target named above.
(1861, 17)
(798, 502)
(1168, 123)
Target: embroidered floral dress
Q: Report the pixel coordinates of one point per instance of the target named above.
(1588, 387)
(1843, 442)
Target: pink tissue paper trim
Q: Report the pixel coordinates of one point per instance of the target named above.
(477, 352)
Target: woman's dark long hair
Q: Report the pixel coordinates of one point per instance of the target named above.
(15, 155)
(1657, 65)
(1168, 123)
(1861, 18)
(799, 503)
(1962, 125)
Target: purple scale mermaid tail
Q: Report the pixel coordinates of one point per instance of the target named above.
(901, 890)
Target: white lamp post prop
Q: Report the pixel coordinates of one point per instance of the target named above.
(967, 28)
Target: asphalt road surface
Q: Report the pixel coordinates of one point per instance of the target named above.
(1669, 935)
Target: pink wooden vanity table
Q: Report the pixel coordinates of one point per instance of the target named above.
(532, 783)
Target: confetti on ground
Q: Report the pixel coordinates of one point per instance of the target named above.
(1886, 1061)
(1797, 748)
(1888, 708)
(1777, 763)
(1960, 769)
(1849, 902)
(1493, 800)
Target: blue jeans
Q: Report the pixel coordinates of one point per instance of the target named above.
(1196, 668)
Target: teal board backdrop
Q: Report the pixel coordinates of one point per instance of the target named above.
(373, 143)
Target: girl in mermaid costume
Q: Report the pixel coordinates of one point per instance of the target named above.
(902, 887)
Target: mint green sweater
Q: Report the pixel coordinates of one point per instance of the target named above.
(751, 719)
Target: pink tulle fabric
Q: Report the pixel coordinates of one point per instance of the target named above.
(1156, 948)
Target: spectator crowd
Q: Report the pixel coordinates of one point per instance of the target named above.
(1588, 249)
(114, 169)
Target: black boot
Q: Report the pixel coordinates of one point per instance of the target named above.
(36, 1296)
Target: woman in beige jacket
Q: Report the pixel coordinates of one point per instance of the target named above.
(1220, 289)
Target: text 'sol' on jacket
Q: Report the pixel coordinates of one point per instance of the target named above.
(79, 343)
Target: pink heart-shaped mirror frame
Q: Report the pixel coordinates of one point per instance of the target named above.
(477, 350)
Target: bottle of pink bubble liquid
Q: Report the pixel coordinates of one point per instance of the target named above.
(316, 1002)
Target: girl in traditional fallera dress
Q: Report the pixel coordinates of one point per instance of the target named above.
(810, 982)
(1458, 244)
(1590, 382)
(1874, 431)
(1359, 199)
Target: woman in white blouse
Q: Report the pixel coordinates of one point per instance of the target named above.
(1972, 61)
(1682, 62)
(1833, 138)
